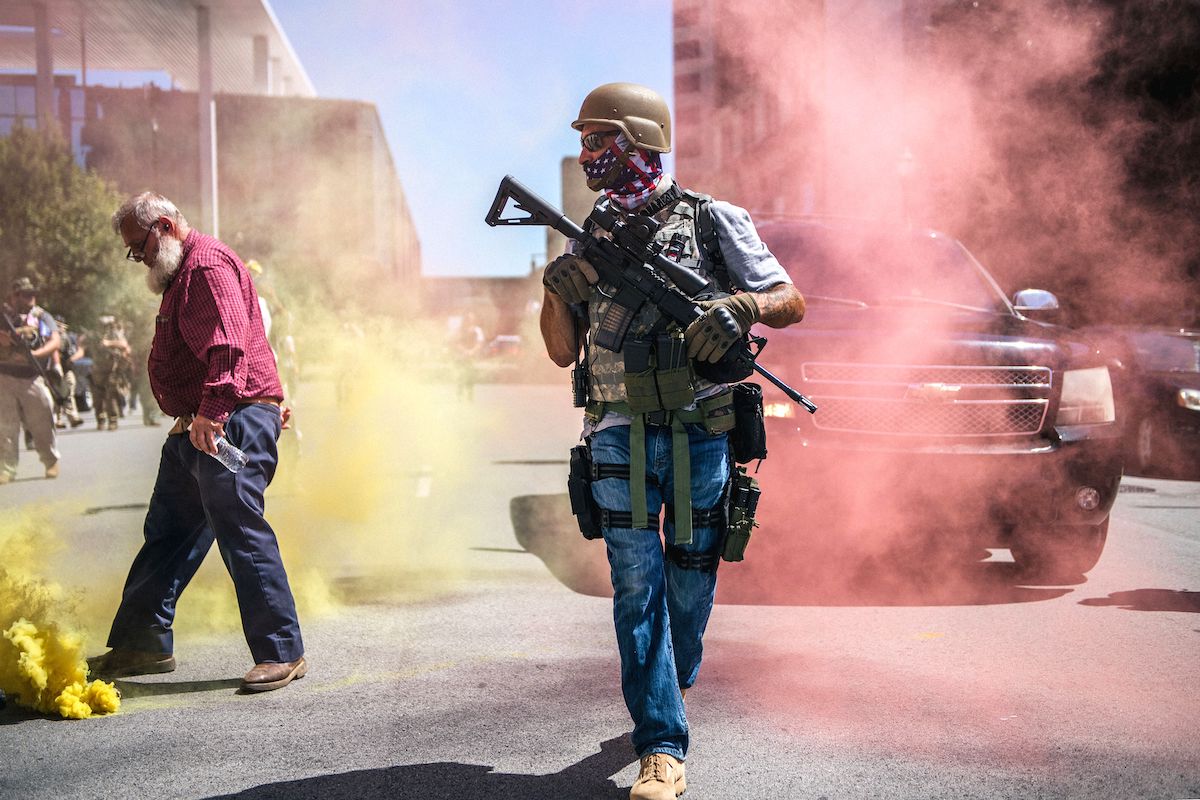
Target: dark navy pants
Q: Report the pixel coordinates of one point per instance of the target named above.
(195, 501)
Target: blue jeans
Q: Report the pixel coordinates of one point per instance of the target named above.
(660, 611)
(195, 501)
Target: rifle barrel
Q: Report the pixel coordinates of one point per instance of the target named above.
(788, 390)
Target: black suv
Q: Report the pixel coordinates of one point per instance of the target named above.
(946, 413)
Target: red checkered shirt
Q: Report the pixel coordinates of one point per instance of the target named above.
(210, 350)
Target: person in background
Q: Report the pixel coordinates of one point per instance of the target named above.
(29, 335)
(139, 385)
(65, 357)
(469, 345)
(111, 367)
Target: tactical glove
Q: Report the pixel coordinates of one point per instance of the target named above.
(570, 277)
(723, 322)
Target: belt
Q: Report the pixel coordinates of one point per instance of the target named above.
(182, 423)
(271, 401)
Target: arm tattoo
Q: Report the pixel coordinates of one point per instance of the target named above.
(780, 306)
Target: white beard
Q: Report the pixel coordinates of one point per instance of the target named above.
(166, 264)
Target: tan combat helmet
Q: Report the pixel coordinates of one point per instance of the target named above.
(637, 111)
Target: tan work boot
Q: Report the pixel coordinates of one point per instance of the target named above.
(661, 778)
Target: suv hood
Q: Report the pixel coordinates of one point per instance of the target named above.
(899, 335)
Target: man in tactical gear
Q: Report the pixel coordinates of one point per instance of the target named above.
(112, 371)
(27, 345)
(647, 406)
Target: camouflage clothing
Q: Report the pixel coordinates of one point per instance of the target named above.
(608, 368)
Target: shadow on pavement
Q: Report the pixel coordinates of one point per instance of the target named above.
(89, 512)
(14, 714)
(1149, 600)
(587, 780)
(131, 689)
(780, 573)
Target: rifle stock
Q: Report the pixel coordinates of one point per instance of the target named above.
(624, 261)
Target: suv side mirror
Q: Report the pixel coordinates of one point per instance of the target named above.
(1036, 303)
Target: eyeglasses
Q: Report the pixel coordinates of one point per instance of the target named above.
(141, 248)
(594, 141)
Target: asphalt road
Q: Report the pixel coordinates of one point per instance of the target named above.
(460, 641)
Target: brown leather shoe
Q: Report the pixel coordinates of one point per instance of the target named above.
(119, 663)
(52, 471)
(661, 778)
(271, 675)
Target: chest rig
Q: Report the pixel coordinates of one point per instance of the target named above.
(651, 379)
(651, 371)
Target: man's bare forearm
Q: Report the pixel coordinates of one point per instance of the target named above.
(780, 306)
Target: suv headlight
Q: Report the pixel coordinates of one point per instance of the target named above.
(1189, 398)
(1087, 397)
(779, 410)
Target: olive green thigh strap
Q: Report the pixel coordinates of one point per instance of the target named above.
(637, 472)
(681, 455)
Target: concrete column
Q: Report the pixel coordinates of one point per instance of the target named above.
(262, 66)
(83, 78)
(207, 127)
(47, 114)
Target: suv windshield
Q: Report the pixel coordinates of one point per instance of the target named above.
(834, 265)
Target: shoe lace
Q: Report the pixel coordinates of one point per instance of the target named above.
(654, 767)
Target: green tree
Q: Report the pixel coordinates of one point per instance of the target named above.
(54, 228)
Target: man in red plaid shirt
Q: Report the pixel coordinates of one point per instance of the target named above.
(211, 368)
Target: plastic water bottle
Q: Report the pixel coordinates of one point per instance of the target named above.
(233, 458)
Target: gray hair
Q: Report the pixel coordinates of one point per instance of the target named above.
(146, 208)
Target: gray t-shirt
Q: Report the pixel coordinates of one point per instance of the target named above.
(751, 264)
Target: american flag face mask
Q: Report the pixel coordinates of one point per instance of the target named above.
(627, 175)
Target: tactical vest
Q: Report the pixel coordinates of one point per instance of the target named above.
(684, 233)
(30, 326)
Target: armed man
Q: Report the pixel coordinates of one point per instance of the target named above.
(641, 375)
(28, 340)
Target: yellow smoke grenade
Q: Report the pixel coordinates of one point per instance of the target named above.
(41, 656)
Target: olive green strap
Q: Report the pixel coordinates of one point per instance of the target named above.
(683, 481)
(637, 472)
(680, 454)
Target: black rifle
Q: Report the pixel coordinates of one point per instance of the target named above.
(19, 341)
(628, 262)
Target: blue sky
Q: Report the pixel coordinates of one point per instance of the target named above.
(471, 91)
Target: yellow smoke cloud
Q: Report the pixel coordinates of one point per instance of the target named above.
(381, 424)
(382, 433)
(41, 655)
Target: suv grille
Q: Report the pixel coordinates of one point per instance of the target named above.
(899, 374)
(929, 400)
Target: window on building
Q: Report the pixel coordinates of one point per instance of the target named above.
(687, 83)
